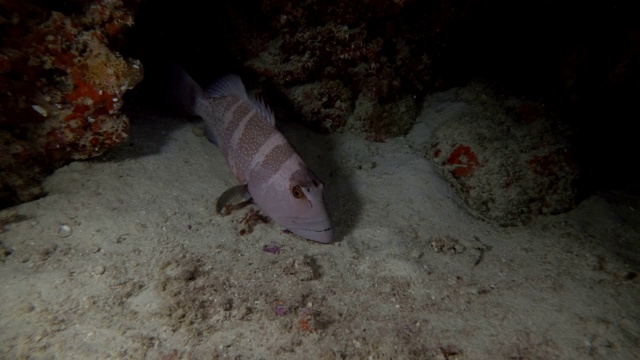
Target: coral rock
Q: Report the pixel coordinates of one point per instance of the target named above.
(508, 159)
(326, 100)
(360, 45)
(60, 91)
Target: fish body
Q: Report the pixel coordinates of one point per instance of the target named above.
(261, 158)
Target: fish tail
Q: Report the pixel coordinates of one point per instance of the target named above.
(184, 92)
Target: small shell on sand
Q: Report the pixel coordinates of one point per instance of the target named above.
(64, 231)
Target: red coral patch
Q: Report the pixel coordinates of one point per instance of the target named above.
(463, 156)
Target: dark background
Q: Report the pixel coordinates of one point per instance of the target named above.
(580, 58)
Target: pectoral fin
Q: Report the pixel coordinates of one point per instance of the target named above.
(235, 198)
(208, 133)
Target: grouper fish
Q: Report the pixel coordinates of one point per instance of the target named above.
(267, 167)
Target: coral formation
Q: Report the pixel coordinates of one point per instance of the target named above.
(327, 100)
(509, 159)
(346, 60)
(61, 89)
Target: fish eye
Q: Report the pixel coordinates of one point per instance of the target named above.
(297, 193)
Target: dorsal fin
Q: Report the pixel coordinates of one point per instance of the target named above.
(228, 85)
(231, 85)
(263, 109)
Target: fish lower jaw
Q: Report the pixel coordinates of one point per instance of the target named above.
(324, 236)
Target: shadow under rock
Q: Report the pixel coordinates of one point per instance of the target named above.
(150, 128)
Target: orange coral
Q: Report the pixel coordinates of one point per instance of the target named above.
(85, 90)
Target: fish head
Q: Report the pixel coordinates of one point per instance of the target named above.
(297, 204)
(308, 215)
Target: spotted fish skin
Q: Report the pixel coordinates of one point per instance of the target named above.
(276, 177)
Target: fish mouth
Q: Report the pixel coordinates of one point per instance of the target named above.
(317, 230)
(324, 236)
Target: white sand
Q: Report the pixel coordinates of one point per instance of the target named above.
(150, 272)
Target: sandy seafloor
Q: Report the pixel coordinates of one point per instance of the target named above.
(150, 272)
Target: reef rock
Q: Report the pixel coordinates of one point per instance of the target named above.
(508, 158)
(61, 88)
(371, 53)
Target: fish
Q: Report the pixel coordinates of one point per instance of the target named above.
(269, 170)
